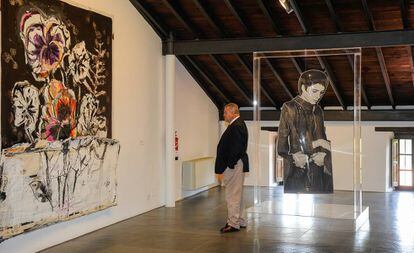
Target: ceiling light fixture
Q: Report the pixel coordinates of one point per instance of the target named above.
(286, 5)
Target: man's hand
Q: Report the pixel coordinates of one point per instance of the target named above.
(220, 177)
(300, 159)
(319, 158)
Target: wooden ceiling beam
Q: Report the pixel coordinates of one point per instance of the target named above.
(385, 75)
(334, 17)
(269, 16)
(406, 23)
(236, 13)
(278, 78)
(368, 15)
(404, 14)
(202, 70)
(264, 86)
(249, 45)
(379, 53)
(302, 21)
(339, 28)
(411, 59)
(182, 17)
(396, 130)
(298, 65)
(236, 82)
(196, 75)
(213, 22)
(336, 115)
(207, 13)
(326, 66)
(154, 22)
(194, 70)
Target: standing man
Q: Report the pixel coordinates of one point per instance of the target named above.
(232, 161)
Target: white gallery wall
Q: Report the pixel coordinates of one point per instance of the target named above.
(196, 123)
(138, 112)
(376, 151)
(137, 123)
(376, 155)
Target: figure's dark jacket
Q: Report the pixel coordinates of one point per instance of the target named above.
(232, 147)
(301, 123)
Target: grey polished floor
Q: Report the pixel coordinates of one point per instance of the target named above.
(193, 227)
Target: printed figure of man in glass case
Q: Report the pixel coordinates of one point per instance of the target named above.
(302, 138)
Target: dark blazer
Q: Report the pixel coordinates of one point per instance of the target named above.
(232, 147)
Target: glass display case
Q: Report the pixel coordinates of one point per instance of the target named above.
(311, 154)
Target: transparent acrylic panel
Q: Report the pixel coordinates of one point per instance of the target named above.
(311, 59)
(256, 130)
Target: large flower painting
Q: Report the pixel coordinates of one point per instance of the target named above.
(63, 54)
(58, 161)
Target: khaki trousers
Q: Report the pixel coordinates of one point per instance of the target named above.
(233, 180)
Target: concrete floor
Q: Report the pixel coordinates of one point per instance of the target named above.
(193, 226)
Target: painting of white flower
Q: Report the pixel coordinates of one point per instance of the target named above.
(26, 106)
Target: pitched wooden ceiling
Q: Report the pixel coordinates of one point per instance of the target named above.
(387, 72)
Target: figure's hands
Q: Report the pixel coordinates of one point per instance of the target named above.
(319, 158)
(300, 159)
(322, 143)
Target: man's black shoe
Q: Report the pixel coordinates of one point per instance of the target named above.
(229, 229)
